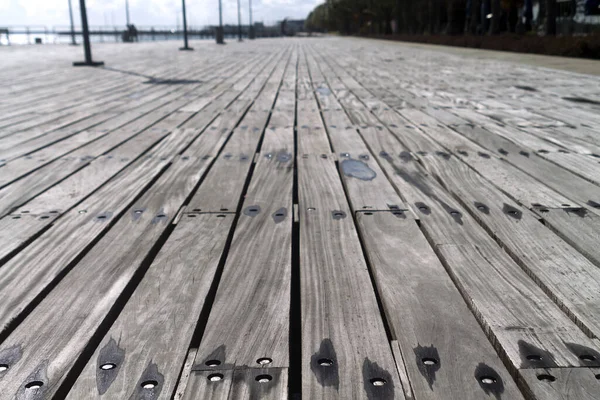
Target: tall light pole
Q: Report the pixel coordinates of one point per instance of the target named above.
(86, 40)
(220, 34)
(127, 12)
(185, 35)
(251, 33)
(239, 21)
(73, 42)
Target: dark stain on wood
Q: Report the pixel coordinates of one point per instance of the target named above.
(111, 355)
(160, 216)
(35, 385)
(137, 213)
(358, 169)
(284, 156)
(445, 156)
(532, 356)
(580, 212)
(405, 156)
(280, 215)
(252, 211)
(482, 207)
(338, 214)
(214, 360)
(324, 365)
(489, 380)
(9, 357)
(103, 217)
(423, 208)
(593, 204)
(588, 356)
(512, 211)
(428, 361)
(377, 381)
(149, 385)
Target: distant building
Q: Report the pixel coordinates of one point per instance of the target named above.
(290, 27)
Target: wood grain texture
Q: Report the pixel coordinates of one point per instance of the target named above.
(461, 233)
(407, 272)
(151, 335)
(552, 175)
(251, 322)
(561, 383)
(569, 278)
(341, 324)
(445, 351)
(580, 229)
(108, 268)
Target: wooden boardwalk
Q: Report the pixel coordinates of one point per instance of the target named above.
(319, 219)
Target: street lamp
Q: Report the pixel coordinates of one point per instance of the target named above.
(73, 42)
(220, 34)
(251, 33)
(127, 11)
(86, 40)
(239, 21)
(185, 36)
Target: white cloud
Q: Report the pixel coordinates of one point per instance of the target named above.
(148, 12)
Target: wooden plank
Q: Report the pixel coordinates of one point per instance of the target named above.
(529, 192)
(545, 257)
(260, 254)
(212, 385)
(24, 189)
(363, 179)
(33, 269)
(67, 319)
(345, 350)
(205, 231)
(561, 383)
(559, 179)
(151, 335)
(453, 233)
(579, 228)
(444, 351)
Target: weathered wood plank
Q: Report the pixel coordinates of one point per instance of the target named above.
(546, 258)
(444, 351)
(65, 321)
(151, 335)
(345, 350)
(260, 254)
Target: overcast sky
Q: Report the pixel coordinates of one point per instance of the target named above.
(148, 12)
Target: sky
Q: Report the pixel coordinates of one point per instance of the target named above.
(148, 12)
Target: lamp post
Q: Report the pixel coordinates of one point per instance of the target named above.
(220, 34)
(239, 21)
(86, 40)
(185, 35)
(251, 33)
(73, 42)
(127, 12)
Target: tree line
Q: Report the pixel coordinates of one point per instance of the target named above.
(415, 17)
